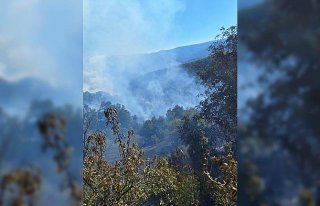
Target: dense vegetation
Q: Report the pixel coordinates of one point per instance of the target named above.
(279, 144)
(201, 171)
(55, 144)
(158, 135)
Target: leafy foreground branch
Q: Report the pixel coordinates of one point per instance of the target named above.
(52, 130)
(136, 180)
(132, 180)
(22, 185)
(224, 190)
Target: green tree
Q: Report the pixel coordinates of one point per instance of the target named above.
(216, 173)
(219, 106)
(286, 113)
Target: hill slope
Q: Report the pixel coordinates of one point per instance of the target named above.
(163, 80)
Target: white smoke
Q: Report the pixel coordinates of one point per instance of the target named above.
(116, 33)
(42, 40)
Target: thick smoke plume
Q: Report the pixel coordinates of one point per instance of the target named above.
(118, 38)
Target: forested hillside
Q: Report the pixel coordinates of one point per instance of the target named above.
(157, 134)
(184, 156)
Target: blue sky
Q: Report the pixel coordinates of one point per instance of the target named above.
(137, 26)
(200, 20)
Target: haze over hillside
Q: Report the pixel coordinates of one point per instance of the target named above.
(149, 84)
(17, 96)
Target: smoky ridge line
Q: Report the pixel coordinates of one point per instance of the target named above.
(146, 84)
